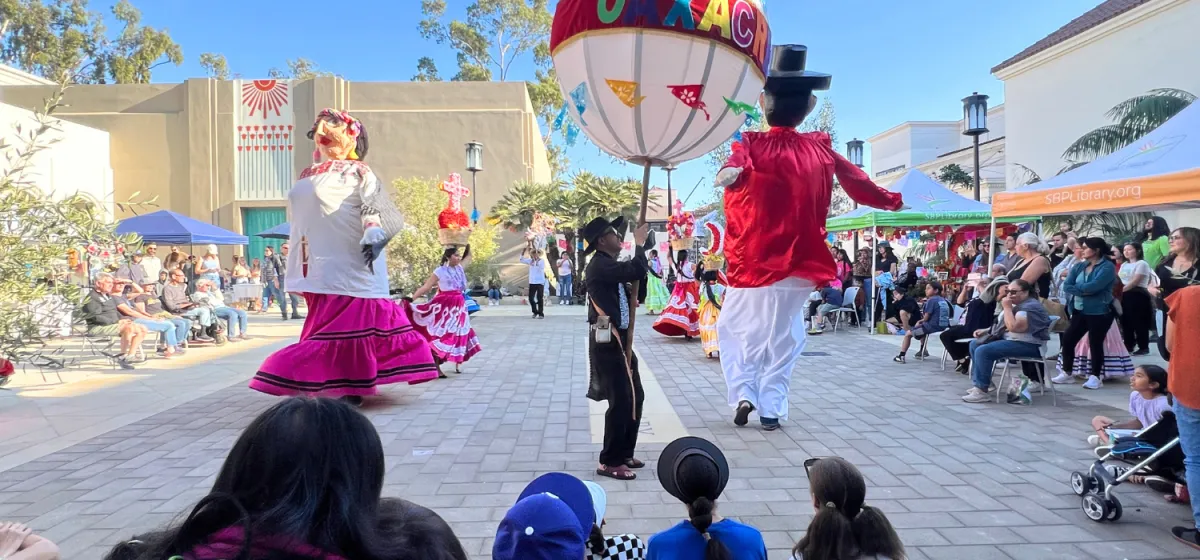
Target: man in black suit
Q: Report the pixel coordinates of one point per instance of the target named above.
(614, 370)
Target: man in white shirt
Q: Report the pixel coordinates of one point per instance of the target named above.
(566, 288)
(537, 281)
(151, 263)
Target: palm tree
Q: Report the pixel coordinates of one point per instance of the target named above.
(1133, 119)
(515, 210)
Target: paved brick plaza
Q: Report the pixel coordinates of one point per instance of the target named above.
(958, 481)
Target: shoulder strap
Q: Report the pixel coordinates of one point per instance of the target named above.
(597, 308)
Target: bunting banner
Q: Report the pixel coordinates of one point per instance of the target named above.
(740, 108)
(580, 97)
(626, 91)
(690, 96)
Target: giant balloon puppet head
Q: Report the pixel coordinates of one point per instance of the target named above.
(788, 94)
(338, 136)
(658, 82)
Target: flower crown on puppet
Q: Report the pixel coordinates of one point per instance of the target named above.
(714, 256)
(454, 226)
(681, 228)
(354, 129)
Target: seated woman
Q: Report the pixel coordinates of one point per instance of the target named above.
(1022, 332)
(844, 527)
(980, 314)
(302, 481)
(209, 295)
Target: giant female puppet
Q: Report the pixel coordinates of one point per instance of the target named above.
(778, 185)
(355, 337)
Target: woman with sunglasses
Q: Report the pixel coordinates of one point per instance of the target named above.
(1178, 270)
(844, 527)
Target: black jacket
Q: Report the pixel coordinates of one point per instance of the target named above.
(602, 276)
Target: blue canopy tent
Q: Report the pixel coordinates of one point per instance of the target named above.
(167, 227)
(281, 231)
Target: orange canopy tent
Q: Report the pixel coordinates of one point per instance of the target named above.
(1161, 171)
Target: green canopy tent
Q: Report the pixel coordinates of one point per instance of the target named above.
(927, 203)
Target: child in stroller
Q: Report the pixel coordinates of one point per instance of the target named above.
(1147, 401)
(1155, 455)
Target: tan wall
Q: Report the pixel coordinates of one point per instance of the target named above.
(176, 142)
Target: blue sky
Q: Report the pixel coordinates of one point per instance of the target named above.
(892, 61)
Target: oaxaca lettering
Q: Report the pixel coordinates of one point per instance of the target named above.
(737, 21)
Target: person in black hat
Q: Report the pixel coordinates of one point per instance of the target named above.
(777, 192)
(614, 378)
(695, 472)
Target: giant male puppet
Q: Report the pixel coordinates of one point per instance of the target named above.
(778, 185)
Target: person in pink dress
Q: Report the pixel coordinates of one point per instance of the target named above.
(444, 320)
(354, 337)
(682, 315)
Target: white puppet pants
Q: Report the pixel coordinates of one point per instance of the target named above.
(761, 335)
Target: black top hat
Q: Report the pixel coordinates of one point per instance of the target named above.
(787, 71)
(597, 228)
(682, 448)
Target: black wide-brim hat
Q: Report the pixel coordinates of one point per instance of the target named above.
(672, 457)
(787, 73)
(597, 228)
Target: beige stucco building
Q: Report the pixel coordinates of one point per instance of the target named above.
(1061, 87)
(66, 160)
(227, 152)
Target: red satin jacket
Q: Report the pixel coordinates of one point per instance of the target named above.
(776, 210)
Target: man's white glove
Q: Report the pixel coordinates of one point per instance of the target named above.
(373, 236)
(727, 176)
(904, 207)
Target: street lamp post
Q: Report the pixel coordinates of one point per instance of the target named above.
(474, 165)
(669, 168)
(975, 124)
(854, 153)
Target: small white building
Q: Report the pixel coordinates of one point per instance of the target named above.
(1061, 87)
(76, 162)
(931, 145)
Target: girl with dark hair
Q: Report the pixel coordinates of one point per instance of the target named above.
(303, 481)
(695, 472)
(1089, 288)
(844, 527)
(355, 336)
(1137, 308)
(682, 317)
(1155, 240)
(444, 320)
(657, 296)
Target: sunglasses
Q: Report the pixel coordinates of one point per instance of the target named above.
(809, 462)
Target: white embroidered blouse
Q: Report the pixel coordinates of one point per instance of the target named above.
(326, 209)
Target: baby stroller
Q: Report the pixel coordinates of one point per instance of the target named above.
(1154, 450)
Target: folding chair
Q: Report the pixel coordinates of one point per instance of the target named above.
(847, 307)
(1039, 361)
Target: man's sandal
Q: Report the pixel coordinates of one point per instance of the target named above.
(634, 463)
(620, 473)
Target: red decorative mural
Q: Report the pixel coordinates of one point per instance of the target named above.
(265, 139)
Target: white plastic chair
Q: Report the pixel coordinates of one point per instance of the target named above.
(847, 306)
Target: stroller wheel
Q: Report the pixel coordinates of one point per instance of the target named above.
(1095, 507)
(1115, 510)
(1081, 483)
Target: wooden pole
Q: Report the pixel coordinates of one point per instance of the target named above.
(636, 285)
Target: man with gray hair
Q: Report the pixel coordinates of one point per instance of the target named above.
(176, 301)
(102, 318)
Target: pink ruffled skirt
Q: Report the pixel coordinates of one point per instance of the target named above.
(348, 346)
(447, 326)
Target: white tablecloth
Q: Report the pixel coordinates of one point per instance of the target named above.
(247, 292)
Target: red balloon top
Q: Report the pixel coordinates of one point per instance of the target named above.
(738, 24)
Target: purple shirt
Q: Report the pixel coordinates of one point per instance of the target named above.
(1147, 411)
